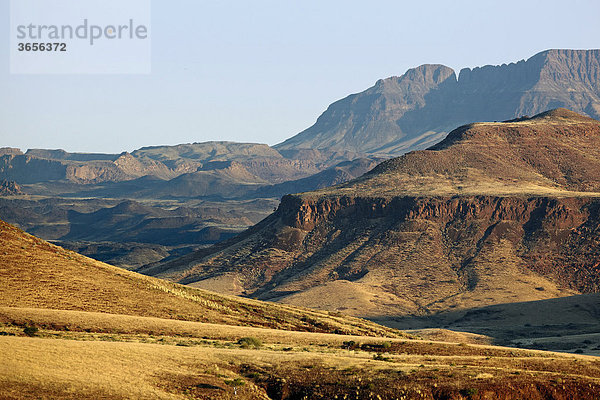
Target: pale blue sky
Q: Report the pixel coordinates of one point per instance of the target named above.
(262, 71)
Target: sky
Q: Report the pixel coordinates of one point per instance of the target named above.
(262, 71)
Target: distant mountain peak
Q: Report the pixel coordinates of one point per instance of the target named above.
(417, 109)
(377, 116)
(426, 74)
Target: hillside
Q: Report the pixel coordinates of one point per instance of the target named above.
(129, 233)
(554, 153)
(36, 274)
(496, 213)
(397, 115)
(340, 173)
(417, 109)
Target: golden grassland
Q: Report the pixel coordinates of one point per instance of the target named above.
(91, 356)
(72, 322)
(99, 332)
(438, 185)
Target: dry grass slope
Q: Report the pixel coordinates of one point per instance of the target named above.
(555, 153)
(37, 274)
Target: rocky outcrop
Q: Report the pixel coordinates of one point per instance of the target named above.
(410, 254)
(10, 188)
(30, 168)
(416, 110)
(240, 163)
(550, 79)
(26, 169)
(366, 121)
(123, 168)
(10, 151)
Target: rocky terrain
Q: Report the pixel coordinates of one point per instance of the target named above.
(158, 202)
(417, 109)
(489, 237)
(235, 163)
(10, 188)
(496, 213)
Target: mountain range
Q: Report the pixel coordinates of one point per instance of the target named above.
(158, 202)
(496, 213)
(242, 182)
(482, 237)
(417, 109)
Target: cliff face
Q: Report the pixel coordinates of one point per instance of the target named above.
(392, 256)
(551, 79)
(31, 168)
(555, 238)
(416, 110)
(496, 213)
(26, 169)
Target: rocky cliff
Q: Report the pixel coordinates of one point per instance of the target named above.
(417, 109)
(10, 188)
(380, 115)
(401, 255)
(497, 213)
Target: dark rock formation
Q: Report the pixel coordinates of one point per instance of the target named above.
(9, 188)
(10, 151)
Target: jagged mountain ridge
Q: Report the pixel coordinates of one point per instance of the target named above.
(417, 109)
(427, 232)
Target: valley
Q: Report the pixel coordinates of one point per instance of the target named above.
(245, 181)
(432, 233)
(164, 201)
